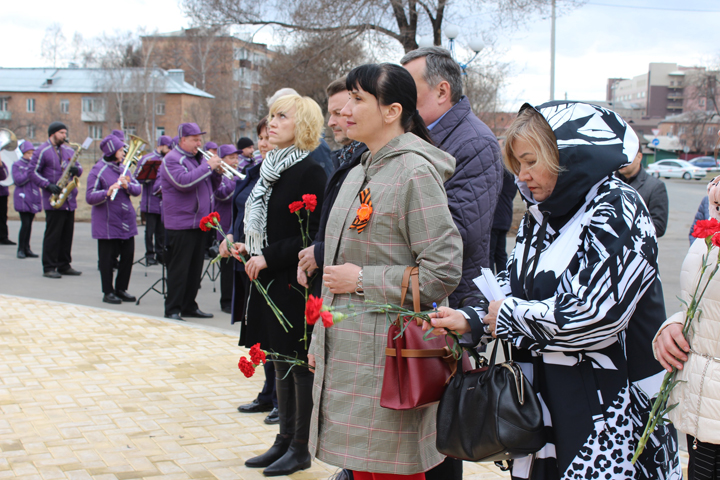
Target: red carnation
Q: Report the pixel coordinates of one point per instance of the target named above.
(327, 319)
(295, 206)
(310, 201)
(257, 356)
(716, 240)
(312, 309)
(247, 368)
(205, 224)
(214, 218)
(705, 228)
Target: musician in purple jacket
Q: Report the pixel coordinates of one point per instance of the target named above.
(223, 205)
(113, 222)
(4, 193)
(188, 183)
(26, 199)
(151, 205)
(47, 164)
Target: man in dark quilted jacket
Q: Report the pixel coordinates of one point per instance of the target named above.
(475, 186)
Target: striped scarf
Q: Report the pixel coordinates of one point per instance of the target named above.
(276, 162)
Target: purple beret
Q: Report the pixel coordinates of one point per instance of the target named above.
(119, 134)
(188, 129)
(26, 146)
(175, 142)
(110, 145)
(164, 140)
(226, 150)
(210, 145)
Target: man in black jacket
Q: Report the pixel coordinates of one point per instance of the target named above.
(652, 191)
(347, 157)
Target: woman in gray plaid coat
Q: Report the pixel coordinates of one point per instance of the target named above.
(400, 184)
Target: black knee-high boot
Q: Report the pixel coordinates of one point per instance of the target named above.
(297, 457)
(286, 410)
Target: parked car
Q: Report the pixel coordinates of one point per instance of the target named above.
(676, 168)
(708, 163)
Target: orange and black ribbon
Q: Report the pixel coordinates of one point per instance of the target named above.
(363, 213)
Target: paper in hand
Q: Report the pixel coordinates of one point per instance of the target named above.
(488, 285)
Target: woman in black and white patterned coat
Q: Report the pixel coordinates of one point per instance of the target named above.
(583, 297)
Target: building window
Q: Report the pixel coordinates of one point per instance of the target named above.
(65, 106)
(681, 130)
(130, 130)
(31, 131)
(4, 104)
(159, 132)
(711, 130)
(31, 105)
(95, 131)
(701, 102)
(160, 108)
(92, 105)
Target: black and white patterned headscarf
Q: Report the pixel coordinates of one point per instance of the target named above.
(276, 162)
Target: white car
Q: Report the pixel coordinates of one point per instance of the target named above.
(676, 168)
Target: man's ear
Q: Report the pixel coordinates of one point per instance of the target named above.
(443, 92)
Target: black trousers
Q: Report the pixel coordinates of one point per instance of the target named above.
(26, 220)
(268, 393)
(227, 272)
(704, 463)
(3, 217)
(154, 235)
(57, 244)
(186, 251)
(108, 252)
(498, 253)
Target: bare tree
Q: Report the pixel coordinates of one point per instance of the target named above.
(53, 44)
(400, 20)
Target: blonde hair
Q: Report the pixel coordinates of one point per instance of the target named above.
(532, 127)
(309, 119)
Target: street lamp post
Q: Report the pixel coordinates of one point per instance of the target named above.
(476, 45)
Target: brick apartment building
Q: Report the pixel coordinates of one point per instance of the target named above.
(222, 65)
(93, 102)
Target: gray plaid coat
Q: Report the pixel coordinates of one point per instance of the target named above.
(410, 225)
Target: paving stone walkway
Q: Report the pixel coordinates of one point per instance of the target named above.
(87, 393)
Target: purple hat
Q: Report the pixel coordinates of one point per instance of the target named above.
(164, 140)
(226, 150)
(110, 145)
(188, 129)
(175, 142)
(119, 134)
(26, 146)
(210, 145)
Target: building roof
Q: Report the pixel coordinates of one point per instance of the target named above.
(694, 116)
(92, 80)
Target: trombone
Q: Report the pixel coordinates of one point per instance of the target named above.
(228, 171)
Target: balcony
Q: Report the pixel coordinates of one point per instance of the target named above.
(676, 87)
(675, 97)
(5, 115)
(674, 107)
(92, 116)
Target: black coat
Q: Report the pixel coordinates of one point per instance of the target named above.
(331, 192)
(281, 255)
(504, 210)
(654, 194)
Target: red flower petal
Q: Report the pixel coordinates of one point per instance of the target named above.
(295, 206)
(327, 319)
(310, 201)
(312, 309)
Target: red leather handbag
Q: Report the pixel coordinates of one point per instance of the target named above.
(416, 370)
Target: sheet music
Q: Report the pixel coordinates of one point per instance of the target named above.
(488, 285)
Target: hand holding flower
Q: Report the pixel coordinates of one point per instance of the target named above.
(671, 347)
(254, 266)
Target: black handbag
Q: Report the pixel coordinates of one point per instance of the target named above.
(490, 414)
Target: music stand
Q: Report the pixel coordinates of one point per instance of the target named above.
(211, 273)
(152, 288)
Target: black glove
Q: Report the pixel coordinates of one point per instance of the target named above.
(74, 172)
(54, 189)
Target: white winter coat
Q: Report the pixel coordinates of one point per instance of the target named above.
(704, 359)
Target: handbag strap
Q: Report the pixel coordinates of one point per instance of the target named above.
(411, 273)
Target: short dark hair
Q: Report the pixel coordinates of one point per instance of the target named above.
(439, 66)
(391, 83)
(261, 124)
(336, 86)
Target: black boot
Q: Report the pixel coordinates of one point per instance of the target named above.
(278, 449)
(297, 457)
(286, 410)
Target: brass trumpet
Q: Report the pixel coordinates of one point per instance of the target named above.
(131, 157)
(228, 171)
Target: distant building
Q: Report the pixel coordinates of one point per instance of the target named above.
(498, 122)
(224, 66)
(696, 130)
(93, 101)
(666, 89)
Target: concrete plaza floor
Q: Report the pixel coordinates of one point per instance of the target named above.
(90, 393)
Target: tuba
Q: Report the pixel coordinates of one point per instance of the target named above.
(8, 143)
(8, 140)
(131, 157)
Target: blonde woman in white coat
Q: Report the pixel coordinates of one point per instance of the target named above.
(697, 359)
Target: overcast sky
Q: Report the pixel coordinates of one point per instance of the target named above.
(597, 41)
